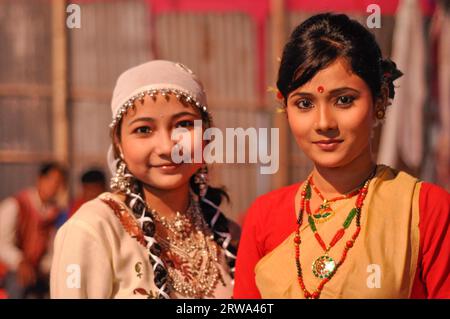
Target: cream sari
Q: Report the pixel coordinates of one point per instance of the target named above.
(383, 260)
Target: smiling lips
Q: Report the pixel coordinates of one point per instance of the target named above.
(328, 145)
(167, 167)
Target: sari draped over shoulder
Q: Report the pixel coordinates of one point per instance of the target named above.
(381, 264)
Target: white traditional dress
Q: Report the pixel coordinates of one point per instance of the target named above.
(101, 253)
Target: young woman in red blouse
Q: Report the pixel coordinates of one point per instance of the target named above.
(352, 229)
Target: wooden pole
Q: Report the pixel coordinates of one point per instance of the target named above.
(59, 81)
(278, 37)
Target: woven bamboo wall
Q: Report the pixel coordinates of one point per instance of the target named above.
(115, 35)
(25, 92)
(221, 50)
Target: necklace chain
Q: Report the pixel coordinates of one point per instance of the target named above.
(325, 267)
(325, 212)
(190, 253)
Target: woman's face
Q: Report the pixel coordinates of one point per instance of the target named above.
(332, 116)
(146, 142)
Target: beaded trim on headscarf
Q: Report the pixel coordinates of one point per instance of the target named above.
(182, 96)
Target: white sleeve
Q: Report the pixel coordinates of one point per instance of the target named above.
(10, 254)
(81, 267)
(46, 261)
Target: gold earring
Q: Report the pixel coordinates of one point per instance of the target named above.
(201, 179)
(121, 180)
(381, 112)
(281, 110)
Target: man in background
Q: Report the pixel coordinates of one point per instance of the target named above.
(27, 229)
(93, 183)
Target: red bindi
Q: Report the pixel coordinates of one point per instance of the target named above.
(320, 89)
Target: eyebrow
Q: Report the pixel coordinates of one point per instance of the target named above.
(141, 119)
(151, 119)
(332, 92)
(178, 115)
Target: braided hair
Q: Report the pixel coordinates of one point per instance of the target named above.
(209, 205)
(216, 220)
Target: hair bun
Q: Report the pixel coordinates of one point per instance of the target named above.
(390, 74)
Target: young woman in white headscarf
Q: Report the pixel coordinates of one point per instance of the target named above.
(160, 232)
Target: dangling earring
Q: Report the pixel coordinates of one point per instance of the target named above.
(201, 179)
(381, 113)
(121, 180)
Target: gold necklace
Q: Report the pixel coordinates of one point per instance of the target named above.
(190, 253)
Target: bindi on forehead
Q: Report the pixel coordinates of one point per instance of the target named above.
(320, 89)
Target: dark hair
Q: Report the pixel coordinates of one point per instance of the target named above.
(323, 38)
(47, 167)
(93, 176)
(216, 195)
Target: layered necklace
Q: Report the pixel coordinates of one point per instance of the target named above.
(325, 267)
(190, 253)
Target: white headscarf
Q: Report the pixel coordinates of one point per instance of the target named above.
(154, 77)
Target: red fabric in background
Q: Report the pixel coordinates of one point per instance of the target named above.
(3, 294)
(259, 11)
(261, 7)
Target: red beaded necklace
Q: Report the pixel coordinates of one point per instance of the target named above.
(325, 267)
(324, 212)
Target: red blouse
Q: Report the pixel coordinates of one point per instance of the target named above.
(265, 228)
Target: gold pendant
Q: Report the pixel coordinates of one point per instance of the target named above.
(323, 267)
(323, 213)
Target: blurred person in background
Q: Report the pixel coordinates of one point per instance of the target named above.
(93, 183)
(27, 229)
